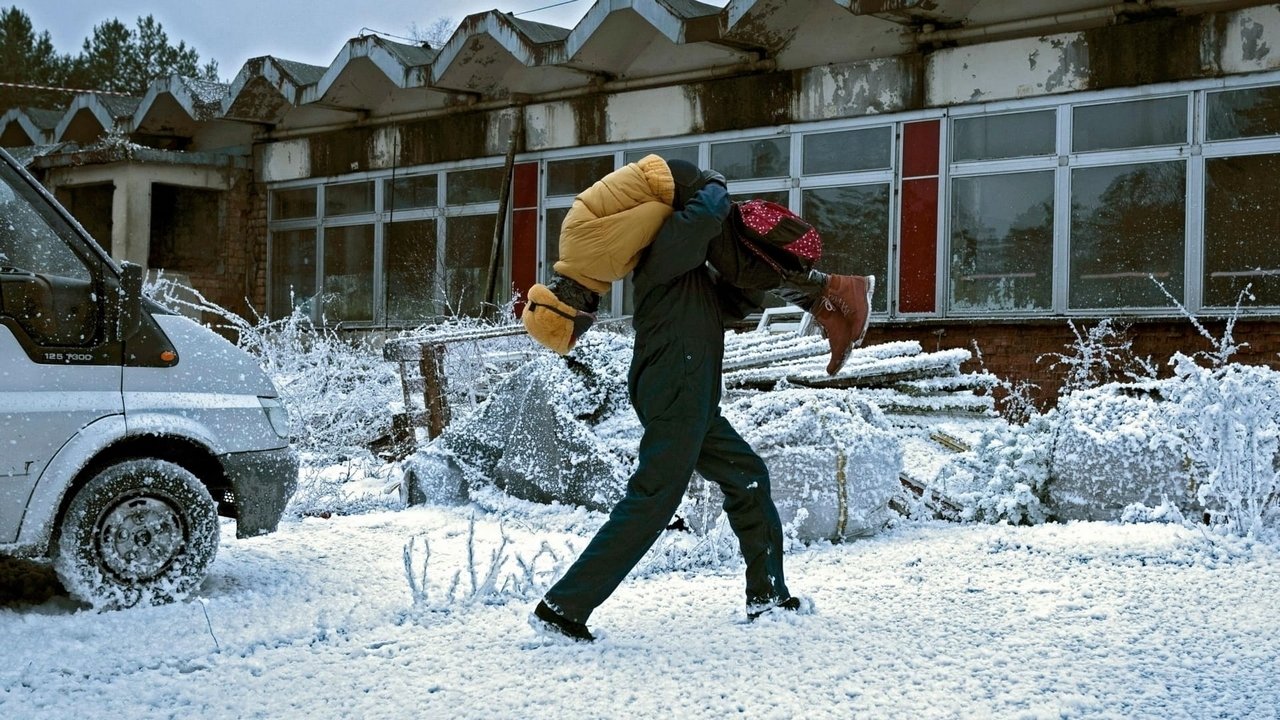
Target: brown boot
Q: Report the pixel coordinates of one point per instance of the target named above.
(844, 312)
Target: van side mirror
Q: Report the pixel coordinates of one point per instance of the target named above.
(131, 299)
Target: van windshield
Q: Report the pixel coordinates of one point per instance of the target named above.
(28, 239)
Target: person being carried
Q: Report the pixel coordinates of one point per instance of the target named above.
(674, 384)
(611, 223)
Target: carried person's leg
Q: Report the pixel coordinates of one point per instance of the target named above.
(840, 304)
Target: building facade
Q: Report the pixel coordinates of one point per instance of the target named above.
(1002, 167)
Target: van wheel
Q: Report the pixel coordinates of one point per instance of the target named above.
(140, 532)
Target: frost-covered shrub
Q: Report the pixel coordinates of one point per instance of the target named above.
(1003, 479)
(1099, 355)
(1231, 419)
(1117, 445)
(337, 388)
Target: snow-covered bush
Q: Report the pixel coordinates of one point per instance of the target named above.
(1004, 478)
(1099, 355)
(1231, 417)
(336, 387)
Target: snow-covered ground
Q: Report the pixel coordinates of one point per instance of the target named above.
(924, 620)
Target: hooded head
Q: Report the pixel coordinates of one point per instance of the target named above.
(688, 178)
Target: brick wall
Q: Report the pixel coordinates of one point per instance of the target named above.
(1015, 351)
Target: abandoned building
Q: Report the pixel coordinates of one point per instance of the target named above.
(1003, 167)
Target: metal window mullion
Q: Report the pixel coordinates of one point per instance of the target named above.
(1062, 215)
(379, 256)
(942, 234)
(1193, 272)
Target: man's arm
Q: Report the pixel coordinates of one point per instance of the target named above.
(681, 242)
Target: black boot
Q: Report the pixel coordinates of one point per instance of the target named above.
(554, 622)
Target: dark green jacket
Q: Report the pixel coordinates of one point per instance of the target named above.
(679, 345)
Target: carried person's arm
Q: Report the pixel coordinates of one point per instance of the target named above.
(681, 242)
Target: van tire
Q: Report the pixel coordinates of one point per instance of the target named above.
(140, 532)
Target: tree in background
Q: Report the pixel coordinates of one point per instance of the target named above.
(123, 60)
(434, 35)
(115, 58)
(29, 58)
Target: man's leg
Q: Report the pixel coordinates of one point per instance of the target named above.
(727, 460)
(840, 304)
(668, 450)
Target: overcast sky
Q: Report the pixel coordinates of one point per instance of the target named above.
(310, 31)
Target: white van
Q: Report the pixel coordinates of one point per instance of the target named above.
(125, 430)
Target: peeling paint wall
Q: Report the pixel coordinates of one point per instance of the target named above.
(284, 160)
(1251, 40)
(662, 112)
(549, 125)
(1151, 49)
(872, 87)
(1025, 67)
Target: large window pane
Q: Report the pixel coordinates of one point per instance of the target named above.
(1242, 229)
(848, 151)
(293, 270)
(1254, 112)
(688, 153)
(995, 137)
(419, 191)
(854, 224)
(473, 186)
(1127, 226)
(570, 177)
(748, 159)
(1138, 123)
(348, 274)
(555, 218)
(1002, 242)
(348, 198)
(410, 271)
(467, 244)
(292, 204)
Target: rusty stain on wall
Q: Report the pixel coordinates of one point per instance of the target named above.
(745, 102)
(589, 119)
(1122, 55)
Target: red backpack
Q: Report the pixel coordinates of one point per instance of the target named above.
(779, 236)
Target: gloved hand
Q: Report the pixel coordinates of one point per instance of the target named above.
(711, 176)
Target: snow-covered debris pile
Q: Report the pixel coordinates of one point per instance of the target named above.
(563, 430)
(834, 461)
(558, 429)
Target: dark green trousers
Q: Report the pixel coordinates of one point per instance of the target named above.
(670, 451)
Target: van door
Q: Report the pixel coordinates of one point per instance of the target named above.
(60, 366)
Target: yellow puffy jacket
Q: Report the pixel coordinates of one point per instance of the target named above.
(613, 220)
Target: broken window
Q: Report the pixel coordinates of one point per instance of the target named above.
(293, 270)
(348, 273)
(186, 224)
(409, 276)
(1253, 112)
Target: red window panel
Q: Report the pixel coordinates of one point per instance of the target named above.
(918, 259)
(918, 266)
(524, 186)
(524, 251)
(920, 148)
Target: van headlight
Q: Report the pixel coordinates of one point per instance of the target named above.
(277, 415)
